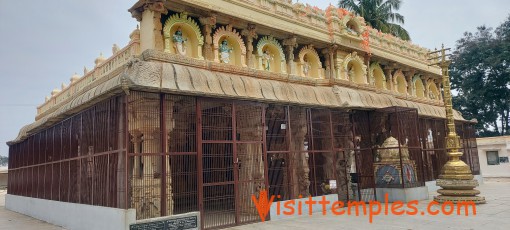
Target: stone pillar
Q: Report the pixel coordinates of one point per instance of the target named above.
(299, 167)
(409, 78)
(327, 59)
(438, 85)
(208, 23)
(425, 80)
(389, 78)
(137, 159)
(151, 144)
(369, 78)
(345, 162)
(148, 13)
(251, 164)
(146, 183)
(290, 44)
(249, 33)
(340, 72)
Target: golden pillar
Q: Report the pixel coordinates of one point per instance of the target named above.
(456, 179)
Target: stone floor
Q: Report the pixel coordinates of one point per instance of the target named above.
(493, 215)
(12, 220)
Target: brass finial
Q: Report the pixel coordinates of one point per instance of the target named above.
(456, 179)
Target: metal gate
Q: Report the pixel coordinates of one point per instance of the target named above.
(363, 152)
(232, 165)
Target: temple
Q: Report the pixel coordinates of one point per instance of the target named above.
(212, 102)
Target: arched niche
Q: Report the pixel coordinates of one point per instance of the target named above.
(433, 91)
(270, 55)
(377, 77)
(235, 43)
(354, 68)
(418, 87)
(310, 63)
(399, 80)
(353, 25)
(192, 39)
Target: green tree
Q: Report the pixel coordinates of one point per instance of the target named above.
(379, 14)
(4, 161)
(480, 75)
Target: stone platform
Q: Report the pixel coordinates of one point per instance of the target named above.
(493, 215)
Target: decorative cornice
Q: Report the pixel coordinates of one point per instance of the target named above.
(154, 5)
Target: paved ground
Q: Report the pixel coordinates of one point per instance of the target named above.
(12, 220)
(493, 215)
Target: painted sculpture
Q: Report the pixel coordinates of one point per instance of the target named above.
(225, 51)
(390, 171)
(179, 41)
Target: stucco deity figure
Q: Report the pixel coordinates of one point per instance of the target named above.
(432, 95)
(351, 72)
(225, 51)
(179, 41)
(306, 67)
(267, 57)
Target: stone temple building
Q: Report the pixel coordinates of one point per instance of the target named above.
(214, 101)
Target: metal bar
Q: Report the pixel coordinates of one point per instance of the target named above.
(335, 154)
(72, 159)
(356, 153)
(422, 182)
(289, 165)
(372, 159)
(309, 121)
(400, 149)
(200, 181)
(219, 183)
(126, 157)
(264, 150)
(236, 162)
(163, 139)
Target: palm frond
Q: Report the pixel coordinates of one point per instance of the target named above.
(399, 31)
(379, 14)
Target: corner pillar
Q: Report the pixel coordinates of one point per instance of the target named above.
(149, 14)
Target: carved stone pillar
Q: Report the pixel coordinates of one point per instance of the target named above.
(290, 44)
(389, 78)
(438, 83)
(425, 80)
(409, 78)
(148, 13)
(151, 144)
(251, 164)
(137, 161)
(345, 163)
(369, 79)
(208, 24)
(329, 54)
(249, 34)
(299, 167)
(327, 58)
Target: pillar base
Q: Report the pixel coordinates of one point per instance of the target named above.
(458, 199)
(458, 191)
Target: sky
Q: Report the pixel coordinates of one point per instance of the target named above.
(43, 43)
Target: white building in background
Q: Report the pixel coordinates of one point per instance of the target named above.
(494, 153)
(3, 177)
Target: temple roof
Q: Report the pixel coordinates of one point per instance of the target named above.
(160, 72)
